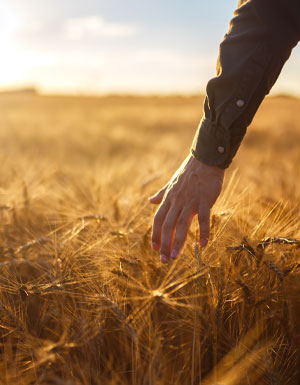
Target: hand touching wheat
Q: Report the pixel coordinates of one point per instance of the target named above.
(192, 190)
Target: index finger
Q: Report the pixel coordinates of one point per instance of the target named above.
(158, 223)
(204, 222)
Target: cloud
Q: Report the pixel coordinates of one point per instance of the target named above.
(93, 26)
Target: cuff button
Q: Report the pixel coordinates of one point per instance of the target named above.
(221, 150)
(240, 103)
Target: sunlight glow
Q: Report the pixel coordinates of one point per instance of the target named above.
(10, 58)
(16, 62)
(55, 49)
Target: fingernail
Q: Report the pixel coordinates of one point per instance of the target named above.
(154, 246)
(174, 254)
(203, 242)
(164, 259)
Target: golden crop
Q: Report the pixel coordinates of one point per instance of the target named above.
(84, 299)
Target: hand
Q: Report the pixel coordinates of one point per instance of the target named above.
(192, 190)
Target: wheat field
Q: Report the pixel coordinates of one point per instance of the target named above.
(85, 300)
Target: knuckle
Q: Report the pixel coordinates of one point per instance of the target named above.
(204, 225)
(204, 230)
(204, 234)
(178, 242)
(180, 235)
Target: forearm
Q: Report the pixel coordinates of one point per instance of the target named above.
(259, 42)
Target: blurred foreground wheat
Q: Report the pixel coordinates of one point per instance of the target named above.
(83, 298)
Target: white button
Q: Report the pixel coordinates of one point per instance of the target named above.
(221, 149)
(240, 103)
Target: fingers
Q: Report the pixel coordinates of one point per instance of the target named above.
(204, 222)
(171, 225)
(168, 231)
(157, 225)
(183, 224)
(158, 197)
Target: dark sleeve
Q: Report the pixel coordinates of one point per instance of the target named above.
(260, 39)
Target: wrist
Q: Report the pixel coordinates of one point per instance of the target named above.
(204, 168)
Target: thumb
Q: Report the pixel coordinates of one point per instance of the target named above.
(204, 222)
(158, 197)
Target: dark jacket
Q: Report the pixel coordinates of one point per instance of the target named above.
(259, 41)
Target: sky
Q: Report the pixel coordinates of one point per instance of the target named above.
(104, 46)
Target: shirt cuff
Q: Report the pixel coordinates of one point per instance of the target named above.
(211, 144)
